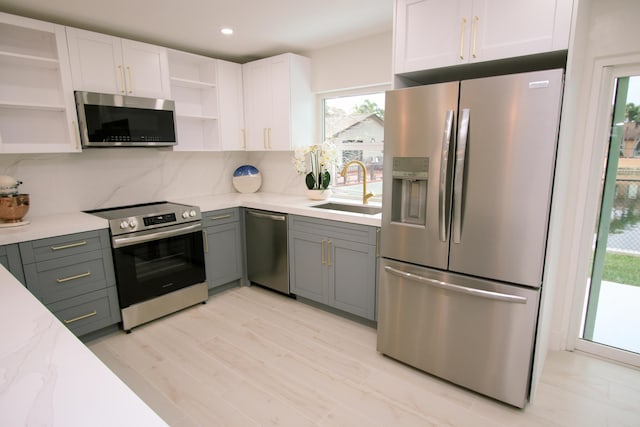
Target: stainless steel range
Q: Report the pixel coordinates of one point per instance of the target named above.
(158, 258)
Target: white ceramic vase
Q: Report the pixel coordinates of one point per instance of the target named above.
(319, 194)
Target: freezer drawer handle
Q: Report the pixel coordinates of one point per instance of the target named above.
(457, 288)
(267, 216)
(458, 192)
(443, 198)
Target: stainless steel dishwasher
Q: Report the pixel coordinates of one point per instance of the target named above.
(267, 257)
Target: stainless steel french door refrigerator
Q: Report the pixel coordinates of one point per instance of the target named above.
(466, 197)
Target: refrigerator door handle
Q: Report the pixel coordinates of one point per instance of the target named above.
(444, 168)
(461, 153)
(457, 288)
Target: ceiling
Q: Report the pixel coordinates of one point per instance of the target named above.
(262, 27)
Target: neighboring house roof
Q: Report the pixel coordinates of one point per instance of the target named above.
(353, 120)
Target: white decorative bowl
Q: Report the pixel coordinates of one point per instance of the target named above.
(247, 179)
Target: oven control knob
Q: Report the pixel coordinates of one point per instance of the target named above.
(124, 224)
(133, 223)
(192, 213)
(185, 214)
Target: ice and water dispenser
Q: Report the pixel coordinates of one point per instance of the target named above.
(409, 191)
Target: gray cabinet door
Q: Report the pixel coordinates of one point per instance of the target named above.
(334, 263)
(223, 254)
(308, 265)
(352, 277)
(10, 258)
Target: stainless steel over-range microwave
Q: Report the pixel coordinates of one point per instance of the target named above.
(125, 121)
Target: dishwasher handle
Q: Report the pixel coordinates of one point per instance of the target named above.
(457, 288)
(267, 216)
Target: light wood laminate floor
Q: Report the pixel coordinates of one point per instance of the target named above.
(252, 357)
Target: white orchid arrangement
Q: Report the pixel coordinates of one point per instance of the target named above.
(315, 161)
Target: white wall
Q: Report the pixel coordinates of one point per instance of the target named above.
(605, 32)
(363, 62)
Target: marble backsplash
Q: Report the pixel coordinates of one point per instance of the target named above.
(97, 178)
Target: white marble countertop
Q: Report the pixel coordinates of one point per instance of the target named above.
(41, 227)
(283, 203)
(49, 378)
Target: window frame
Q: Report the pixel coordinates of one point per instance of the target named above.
(358, 91)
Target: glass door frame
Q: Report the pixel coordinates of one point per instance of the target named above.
(600, 116)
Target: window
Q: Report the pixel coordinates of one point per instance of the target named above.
(355, 124)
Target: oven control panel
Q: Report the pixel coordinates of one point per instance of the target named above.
(159, 219)
(148, 216)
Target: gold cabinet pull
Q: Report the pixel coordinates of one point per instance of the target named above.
(122, 79)
(130, 79)
(206, 241)
(219, 217)
(329, 253)
(244, 138)
(462, 28)
(474, 30)
(322, 253)
(264, 138)
(84, 316)
(69, 246)
(77, 276)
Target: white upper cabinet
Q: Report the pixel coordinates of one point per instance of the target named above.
(231, 106)
(37, 108)
(440, 33)
(278, 103)
(107, 64)
(208, 97)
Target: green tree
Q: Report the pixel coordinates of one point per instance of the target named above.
(368, 107)
(632, 112)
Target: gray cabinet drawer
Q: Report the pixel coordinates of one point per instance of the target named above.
(88, 312)
(334, 229)
(222, 216)
(67, 277)
(63, 246)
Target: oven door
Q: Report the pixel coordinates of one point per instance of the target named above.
(153, 263)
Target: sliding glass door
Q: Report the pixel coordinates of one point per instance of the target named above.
(611, 317)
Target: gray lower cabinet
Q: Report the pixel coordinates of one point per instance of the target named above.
(334, 263)
(10, 259)
(222, 234)
(73, 276)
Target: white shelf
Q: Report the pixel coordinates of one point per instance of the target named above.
(29, 60)
(194, 84)
(31, 106)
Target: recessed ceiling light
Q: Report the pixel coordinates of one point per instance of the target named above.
(227, 31)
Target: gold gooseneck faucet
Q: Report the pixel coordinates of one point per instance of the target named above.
(365, 196)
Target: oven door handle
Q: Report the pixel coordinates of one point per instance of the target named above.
(120, 242)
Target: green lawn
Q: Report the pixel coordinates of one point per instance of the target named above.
(622, 268)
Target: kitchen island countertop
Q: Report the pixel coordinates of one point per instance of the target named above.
(48, 377)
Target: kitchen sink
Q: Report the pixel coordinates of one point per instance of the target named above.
(363, 209)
